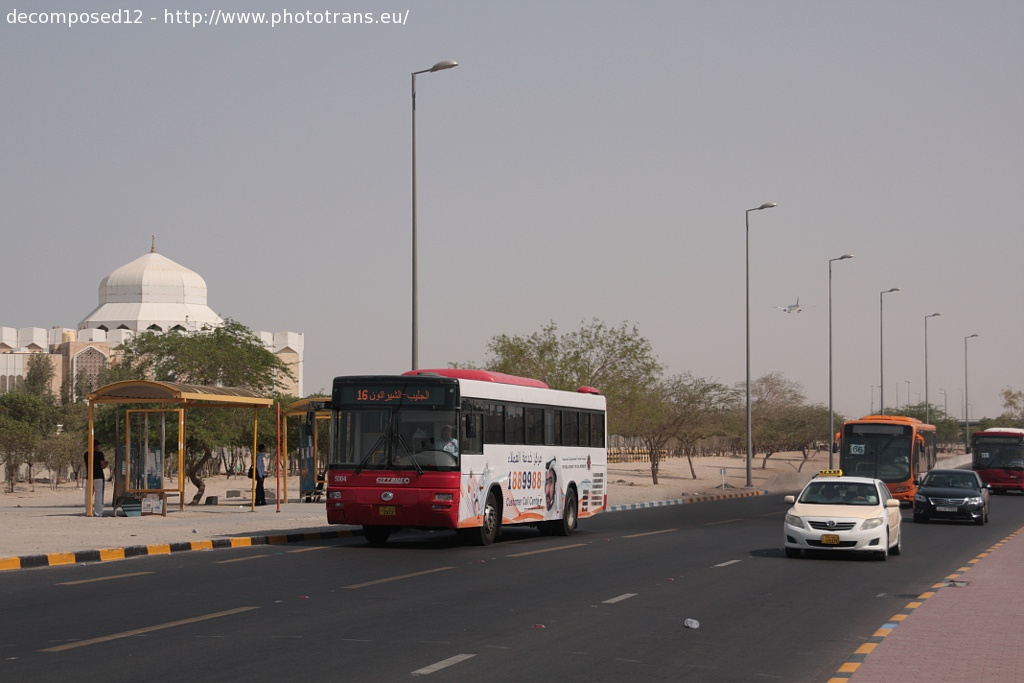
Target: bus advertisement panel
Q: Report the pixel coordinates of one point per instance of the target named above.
(893, 448)
(469, 450)
(997, 455)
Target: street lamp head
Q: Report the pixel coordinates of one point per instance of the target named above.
(444, 64)
(933, 315)
(894, 289)
(844, 257)
(970, 336)
(767, 205)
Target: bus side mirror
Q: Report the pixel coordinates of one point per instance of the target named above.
(470, 427)
(835, 447)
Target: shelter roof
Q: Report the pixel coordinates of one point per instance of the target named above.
(150, 391)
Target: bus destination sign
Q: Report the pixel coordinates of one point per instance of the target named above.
(393, 394)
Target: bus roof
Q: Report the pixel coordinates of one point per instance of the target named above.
(481, 376)
(1014, 431)
(895, 419)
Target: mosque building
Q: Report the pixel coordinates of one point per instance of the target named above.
(152, 293)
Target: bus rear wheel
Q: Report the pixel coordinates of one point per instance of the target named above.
(566, 525)
(376, 535)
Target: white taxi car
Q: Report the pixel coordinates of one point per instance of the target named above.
(833, 512)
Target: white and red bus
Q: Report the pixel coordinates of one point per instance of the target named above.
(997, 455)
(469, 450)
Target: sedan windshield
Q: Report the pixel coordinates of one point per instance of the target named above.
(839, 493)
(950, 481)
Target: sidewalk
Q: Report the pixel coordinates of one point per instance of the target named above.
(966, 629)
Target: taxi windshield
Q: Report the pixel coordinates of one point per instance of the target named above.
(839, 493)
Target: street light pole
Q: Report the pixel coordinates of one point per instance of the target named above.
(831, 418)
(750, 434)
(881, 352)
(927, 405)
(967, 424)
(440, 66)
(945, 404)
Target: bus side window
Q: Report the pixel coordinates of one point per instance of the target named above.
(597, 430)
(472, 433)
(570, 428)
(550, 417)
(495, 429)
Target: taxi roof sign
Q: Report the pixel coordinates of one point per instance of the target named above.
(830, 473)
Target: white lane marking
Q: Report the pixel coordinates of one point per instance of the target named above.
(443, 664)
(624, 596)
(725, 564)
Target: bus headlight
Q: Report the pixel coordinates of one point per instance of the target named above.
(444, 497)
(334, 494)
(872, 523)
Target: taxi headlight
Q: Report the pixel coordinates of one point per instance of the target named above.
(974, 500)
(872, 523)
(793, 520)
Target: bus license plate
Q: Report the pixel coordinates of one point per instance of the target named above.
(387, 510)
(830, 539)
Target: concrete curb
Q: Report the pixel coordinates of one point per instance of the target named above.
(110, 554)
(685, 501)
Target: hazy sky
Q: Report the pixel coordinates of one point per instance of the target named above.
(585, 160)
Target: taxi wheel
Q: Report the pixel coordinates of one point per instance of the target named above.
(883, 554)
(898, 548)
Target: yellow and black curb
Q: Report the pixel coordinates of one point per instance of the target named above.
(851, 665)
(110, 554)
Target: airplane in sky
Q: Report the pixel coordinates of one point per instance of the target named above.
(793, 308)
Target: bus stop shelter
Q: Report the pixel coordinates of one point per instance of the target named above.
(166, 397)
(311, 470)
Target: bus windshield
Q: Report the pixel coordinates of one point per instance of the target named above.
(998, 453)
(395, 438)
(877, 450)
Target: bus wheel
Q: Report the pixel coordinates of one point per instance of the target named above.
(567, 525)
(376, 535)
(488, 530)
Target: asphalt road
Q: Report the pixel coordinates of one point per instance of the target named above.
(609, 603)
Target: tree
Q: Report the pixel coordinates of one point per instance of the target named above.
(772, 398)
(617, 361)
(1013, 408)
(230, 355)
(38, 376)
(25, 419)
(647, 414)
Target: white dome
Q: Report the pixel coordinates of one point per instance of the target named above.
(152, 292)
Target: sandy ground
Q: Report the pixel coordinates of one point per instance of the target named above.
(38, 520)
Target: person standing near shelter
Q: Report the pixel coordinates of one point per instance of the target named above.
(98, 477)
(261, 474)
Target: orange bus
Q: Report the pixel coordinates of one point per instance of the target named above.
(893, 448)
